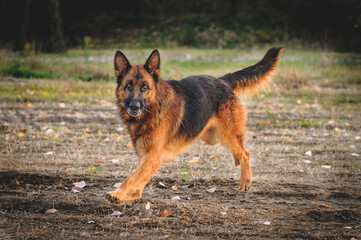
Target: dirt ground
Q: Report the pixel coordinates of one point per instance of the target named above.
(305, 162)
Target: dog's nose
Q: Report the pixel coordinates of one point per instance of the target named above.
(134, 105)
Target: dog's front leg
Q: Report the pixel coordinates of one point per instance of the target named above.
(132, 187)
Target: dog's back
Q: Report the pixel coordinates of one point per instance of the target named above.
(202, 96)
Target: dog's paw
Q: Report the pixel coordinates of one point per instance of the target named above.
(112, 199)
(245, 184)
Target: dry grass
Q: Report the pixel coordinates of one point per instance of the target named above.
(292, 79)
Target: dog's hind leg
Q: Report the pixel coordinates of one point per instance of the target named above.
(231, 127)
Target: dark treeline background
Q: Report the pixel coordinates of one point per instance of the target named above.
(54, 25)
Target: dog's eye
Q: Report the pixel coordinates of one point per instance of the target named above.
(144, 88)
(129, 86)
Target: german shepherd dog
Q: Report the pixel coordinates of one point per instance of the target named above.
(164, 117)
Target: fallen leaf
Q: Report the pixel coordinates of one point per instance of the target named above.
(267, 122)
(264, 159)
(87, 135)
(148, 213)
(85, 234)
(86, 129)
(262, 222)
(76, 189)
(23, 130)
(174, 187)
(223, 213)
(99, 161)
(202, 216)
(289, 140)
(78, 144)
(20, 134)
(118, 138)
(28, 104)
(62, 105)
(80, 184)
(299, 101)
(298, 127)
(213, 156)
(116, 213)
(326, 205)
(184, 214)
(166, 213)
(266, 149)
(49, 131)
(51, 211)
(308, 153)
(195, 160)
(114, 160)
(129, 145)
(119, 129)
(17, 182)
(30, 194)
(211, 190)
(337, 129)
(117, 184)
(176, 198)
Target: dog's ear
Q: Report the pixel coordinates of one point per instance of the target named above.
(152, 65)
(121, 64)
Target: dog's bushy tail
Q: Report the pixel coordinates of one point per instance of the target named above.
(248, 80)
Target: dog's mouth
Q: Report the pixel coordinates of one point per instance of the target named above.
(134, 113)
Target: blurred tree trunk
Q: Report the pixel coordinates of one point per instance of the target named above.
(57, 42)
(20, 42)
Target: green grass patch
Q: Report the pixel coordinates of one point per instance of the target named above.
(58, 90)
(305, 124)
(92, 70)
(18, 71)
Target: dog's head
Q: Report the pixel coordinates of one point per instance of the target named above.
(136, 85)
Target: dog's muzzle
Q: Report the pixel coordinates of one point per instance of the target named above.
(134, 109)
